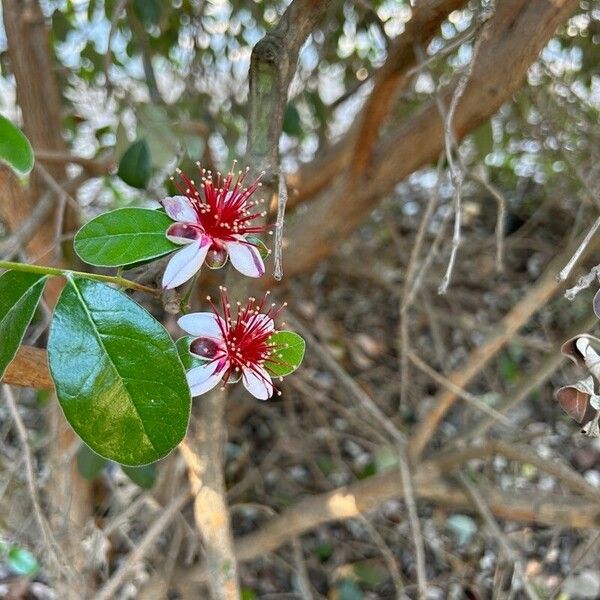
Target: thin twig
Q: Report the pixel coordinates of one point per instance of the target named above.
(583, 283)
(366, 402)
(455, 389)
(110, 588)
(413, 516)
(388, 556)
(490, 521)
(431, 255)
(48, 540)
(410, 276)
(554, 591)
(456, 172)
(363, 400)
(283, 195)
(450, 47)
(301, 571)
(500, 219)
(580, 250)
(11, 246)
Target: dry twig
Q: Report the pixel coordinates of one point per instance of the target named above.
(282, 201)
(503, 542)
(49, 542)
(110, 588)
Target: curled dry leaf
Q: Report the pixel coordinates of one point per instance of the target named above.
(592, 428)
(577, 400)
(596, 304)
(580, 349)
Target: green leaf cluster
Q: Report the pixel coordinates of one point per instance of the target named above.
(116, 370)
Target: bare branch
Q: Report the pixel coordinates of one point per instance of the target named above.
(545, 287)
(516, 33)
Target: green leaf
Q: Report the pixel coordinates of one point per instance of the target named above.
(123, 237)
(89, 464)
(19, 296)
(117, 374)
(15, 149)
(188, 359)
(22, 562)
(483, 137)
(148, 11)
(260, 245)
(154, 125)
(292, 124)
(135, 166)
(289, 354)
(144, 476)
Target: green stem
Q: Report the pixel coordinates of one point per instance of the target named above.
(55, 272)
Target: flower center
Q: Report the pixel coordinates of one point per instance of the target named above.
(223, 206)
(246, 336)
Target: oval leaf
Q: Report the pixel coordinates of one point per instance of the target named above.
(15, 149)
(19, 296)
(135, 166)
(575, 401)
(124, 237)
(144, 476)
(117, 374)
(89, 464)
(22, 562)
(289, 354)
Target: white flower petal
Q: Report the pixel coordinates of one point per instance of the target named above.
(185, 233)
(184, 264)
(204, 378)
(246, 259)
(266, 322)
(201, 324)
(260, 386)
(179, 208)
(261, 321)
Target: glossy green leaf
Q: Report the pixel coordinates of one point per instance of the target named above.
(144, 476)
(288, 355)
(19, 296)
(188, 359)
(89, 464)
(15, 149)
(135, 166)
(117, 374)
(123, 237)
(22, 562)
